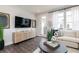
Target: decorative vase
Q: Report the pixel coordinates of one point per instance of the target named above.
(53, 38)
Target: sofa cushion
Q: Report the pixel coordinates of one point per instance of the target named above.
(70, 33)
(71, 39)
(70, 44)
(77, 34)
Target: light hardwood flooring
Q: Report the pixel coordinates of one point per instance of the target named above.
(23, 47)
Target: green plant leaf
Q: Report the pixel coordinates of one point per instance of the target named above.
(49, 35)
(1, 32)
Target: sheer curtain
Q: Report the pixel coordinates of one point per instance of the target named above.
(75, 16)
(72, 18)
(58, 19)
(67, 19)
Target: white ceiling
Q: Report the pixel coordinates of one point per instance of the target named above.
(41, 8)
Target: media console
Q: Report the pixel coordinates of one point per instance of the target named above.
(23, 35)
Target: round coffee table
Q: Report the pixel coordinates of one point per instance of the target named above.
(61, 49)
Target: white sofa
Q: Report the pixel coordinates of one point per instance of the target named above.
(70, 38)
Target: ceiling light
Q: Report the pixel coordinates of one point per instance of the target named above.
(43, 17)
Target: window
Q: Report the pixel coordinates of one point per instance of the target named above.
(58, 20)
(69, 20)
(75, 16)
(72, 18)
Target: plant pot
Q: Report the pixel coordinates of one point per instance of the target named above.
(1, 44)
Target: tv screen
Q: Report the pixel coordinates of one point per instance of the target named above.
(21, 22)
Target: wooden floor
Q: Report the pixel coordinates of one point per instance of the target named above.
(29, 46)
(24, 47)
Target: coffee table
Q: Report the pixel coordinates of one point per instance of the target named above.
(61, 49)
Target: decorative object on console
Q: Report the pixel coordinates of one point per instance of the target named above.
(5, 20)
(1, 37)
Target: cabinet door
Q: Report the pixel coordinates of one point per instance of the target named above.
(25, 36)
(33, 33)
(18, 37)
(29, 34)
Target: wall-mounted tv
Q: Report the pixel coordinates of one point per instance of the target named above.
(21, 22)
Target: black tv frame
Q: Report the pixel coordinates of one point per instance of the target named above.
(19, 24)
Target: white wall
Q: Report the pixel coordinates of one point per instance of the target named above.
(39, 26)
(14, 11)
(39, 23)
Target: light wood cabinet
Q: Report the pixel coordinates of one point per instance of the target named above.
(17, 37)
(23, 35)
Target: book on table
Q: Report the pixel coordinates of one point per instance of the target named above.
(51, 44)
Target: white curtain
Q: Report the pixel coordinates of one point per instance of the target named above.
(58, 19)
(67, 19)
(75, 16)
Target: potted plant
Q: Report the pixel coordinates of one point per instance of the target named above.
(49, 35)
(1, 37)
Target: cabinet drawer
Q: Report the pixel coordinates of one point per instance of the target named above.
(18, 37)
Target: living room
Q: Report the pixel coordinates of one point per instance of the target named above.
(26, 25)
